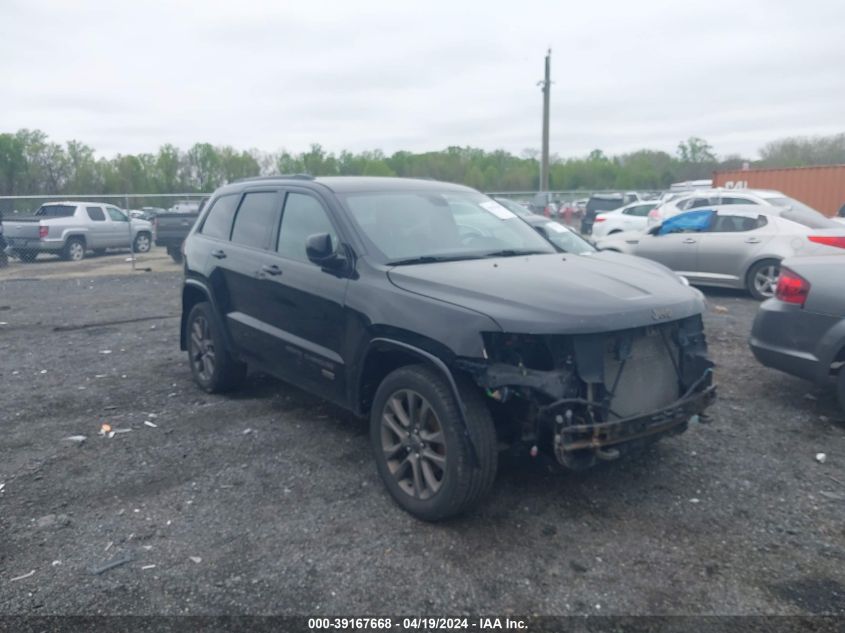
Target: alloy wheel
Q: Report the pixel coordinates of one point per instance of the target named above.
(413, 443)
(766, 280)
(77, 251)
(202, 349)
(142, 244)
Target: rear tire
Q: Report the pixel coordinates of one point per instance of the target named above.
(212, 366)
(840, 388)
(74, 250)
(762, 279)
(421, 451)
(142, 243)
(175, 254)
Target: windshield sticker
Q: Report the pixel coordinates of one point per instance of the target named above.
(498, 210)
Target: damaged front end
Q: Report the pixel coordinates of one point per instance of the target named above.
(591, 397)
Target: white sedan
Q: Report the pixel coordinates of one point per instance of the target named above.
(631, 217)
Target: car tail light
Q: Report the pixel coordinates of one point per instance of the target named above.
(43, 231)
(548, 211)
(654, 213)
(792, 287)
(599, 219)
(828, 240)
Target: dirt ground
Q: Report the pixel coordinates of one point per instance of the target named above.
(268, 502)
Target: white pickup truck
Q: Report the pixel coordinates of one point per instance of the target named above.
(70, 229)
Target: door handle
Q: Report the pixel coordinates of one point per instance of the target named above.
(219, 254)
(752, 240)
(271, 269)
(689, 240)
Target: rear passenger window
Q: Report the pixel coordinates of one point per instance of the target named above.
(303, 216)
(95, 214)
(737, 223)
(256, 219)
(218, 222)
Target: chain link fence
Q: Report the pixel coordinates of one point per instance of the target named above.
(153, 203)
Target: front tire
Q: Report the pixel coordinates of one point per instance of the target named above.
(142, 243)
(421, 451)
(762, 279)
(74, 250)
(212, 366)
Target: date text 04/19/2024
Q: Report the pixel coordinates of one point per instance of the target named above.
(417, 624)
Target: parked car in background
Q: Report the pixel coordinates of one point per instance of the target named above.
(597, 203)
(544, 203)
(714, 197)
(447, 320)
(170, 230)
(141, 214)
(515, 207)
(801, 331)
(70, 229)
(186, 206)
(631, 217)
(562, 238)
(735, 246)
(821, 187)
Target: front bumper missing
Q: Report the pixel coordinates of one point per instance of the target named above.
(667, 421)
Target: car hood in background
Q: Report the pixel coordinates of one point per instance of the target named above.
(555, 294)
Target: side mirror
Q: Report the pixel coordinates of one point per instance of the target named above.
(320, 250)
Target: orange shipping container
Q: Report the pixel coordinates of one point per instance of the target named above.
(821, 187)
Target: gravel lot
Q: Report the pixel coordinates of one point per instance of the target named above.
(268, 502)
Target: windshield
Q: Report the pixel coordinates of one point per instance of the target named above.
(409, 225)
(564, 239)
(799, 212)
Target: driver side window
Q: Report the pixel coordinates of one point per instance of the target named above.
(302, 217)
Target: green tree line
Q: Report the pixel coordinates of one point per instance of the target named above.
(32, 164)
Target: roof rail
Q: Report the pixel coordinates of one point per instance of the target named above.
(277, 177)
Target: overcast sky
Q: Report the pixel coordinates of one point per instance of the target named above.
(364, 74)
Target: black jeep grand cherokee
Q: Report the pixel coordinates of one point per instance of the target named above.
(445, 318)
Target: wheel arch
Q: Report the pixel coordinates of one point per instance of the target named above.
(75, 236)
(195, 291)
(760, 258)
(384, 355)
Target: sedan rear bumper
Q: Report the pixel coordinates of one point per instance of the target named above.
(791, 339)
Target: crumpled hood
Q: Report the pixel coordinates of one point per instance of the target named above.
(557, 294)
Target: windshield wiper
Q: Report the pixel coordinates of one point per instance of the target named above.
(430, 259)
(511, 252)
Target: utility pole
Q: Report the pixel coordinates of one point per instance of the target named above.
(544, 165)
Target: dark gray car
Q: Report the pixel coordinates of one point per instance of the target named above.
(801, 331)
